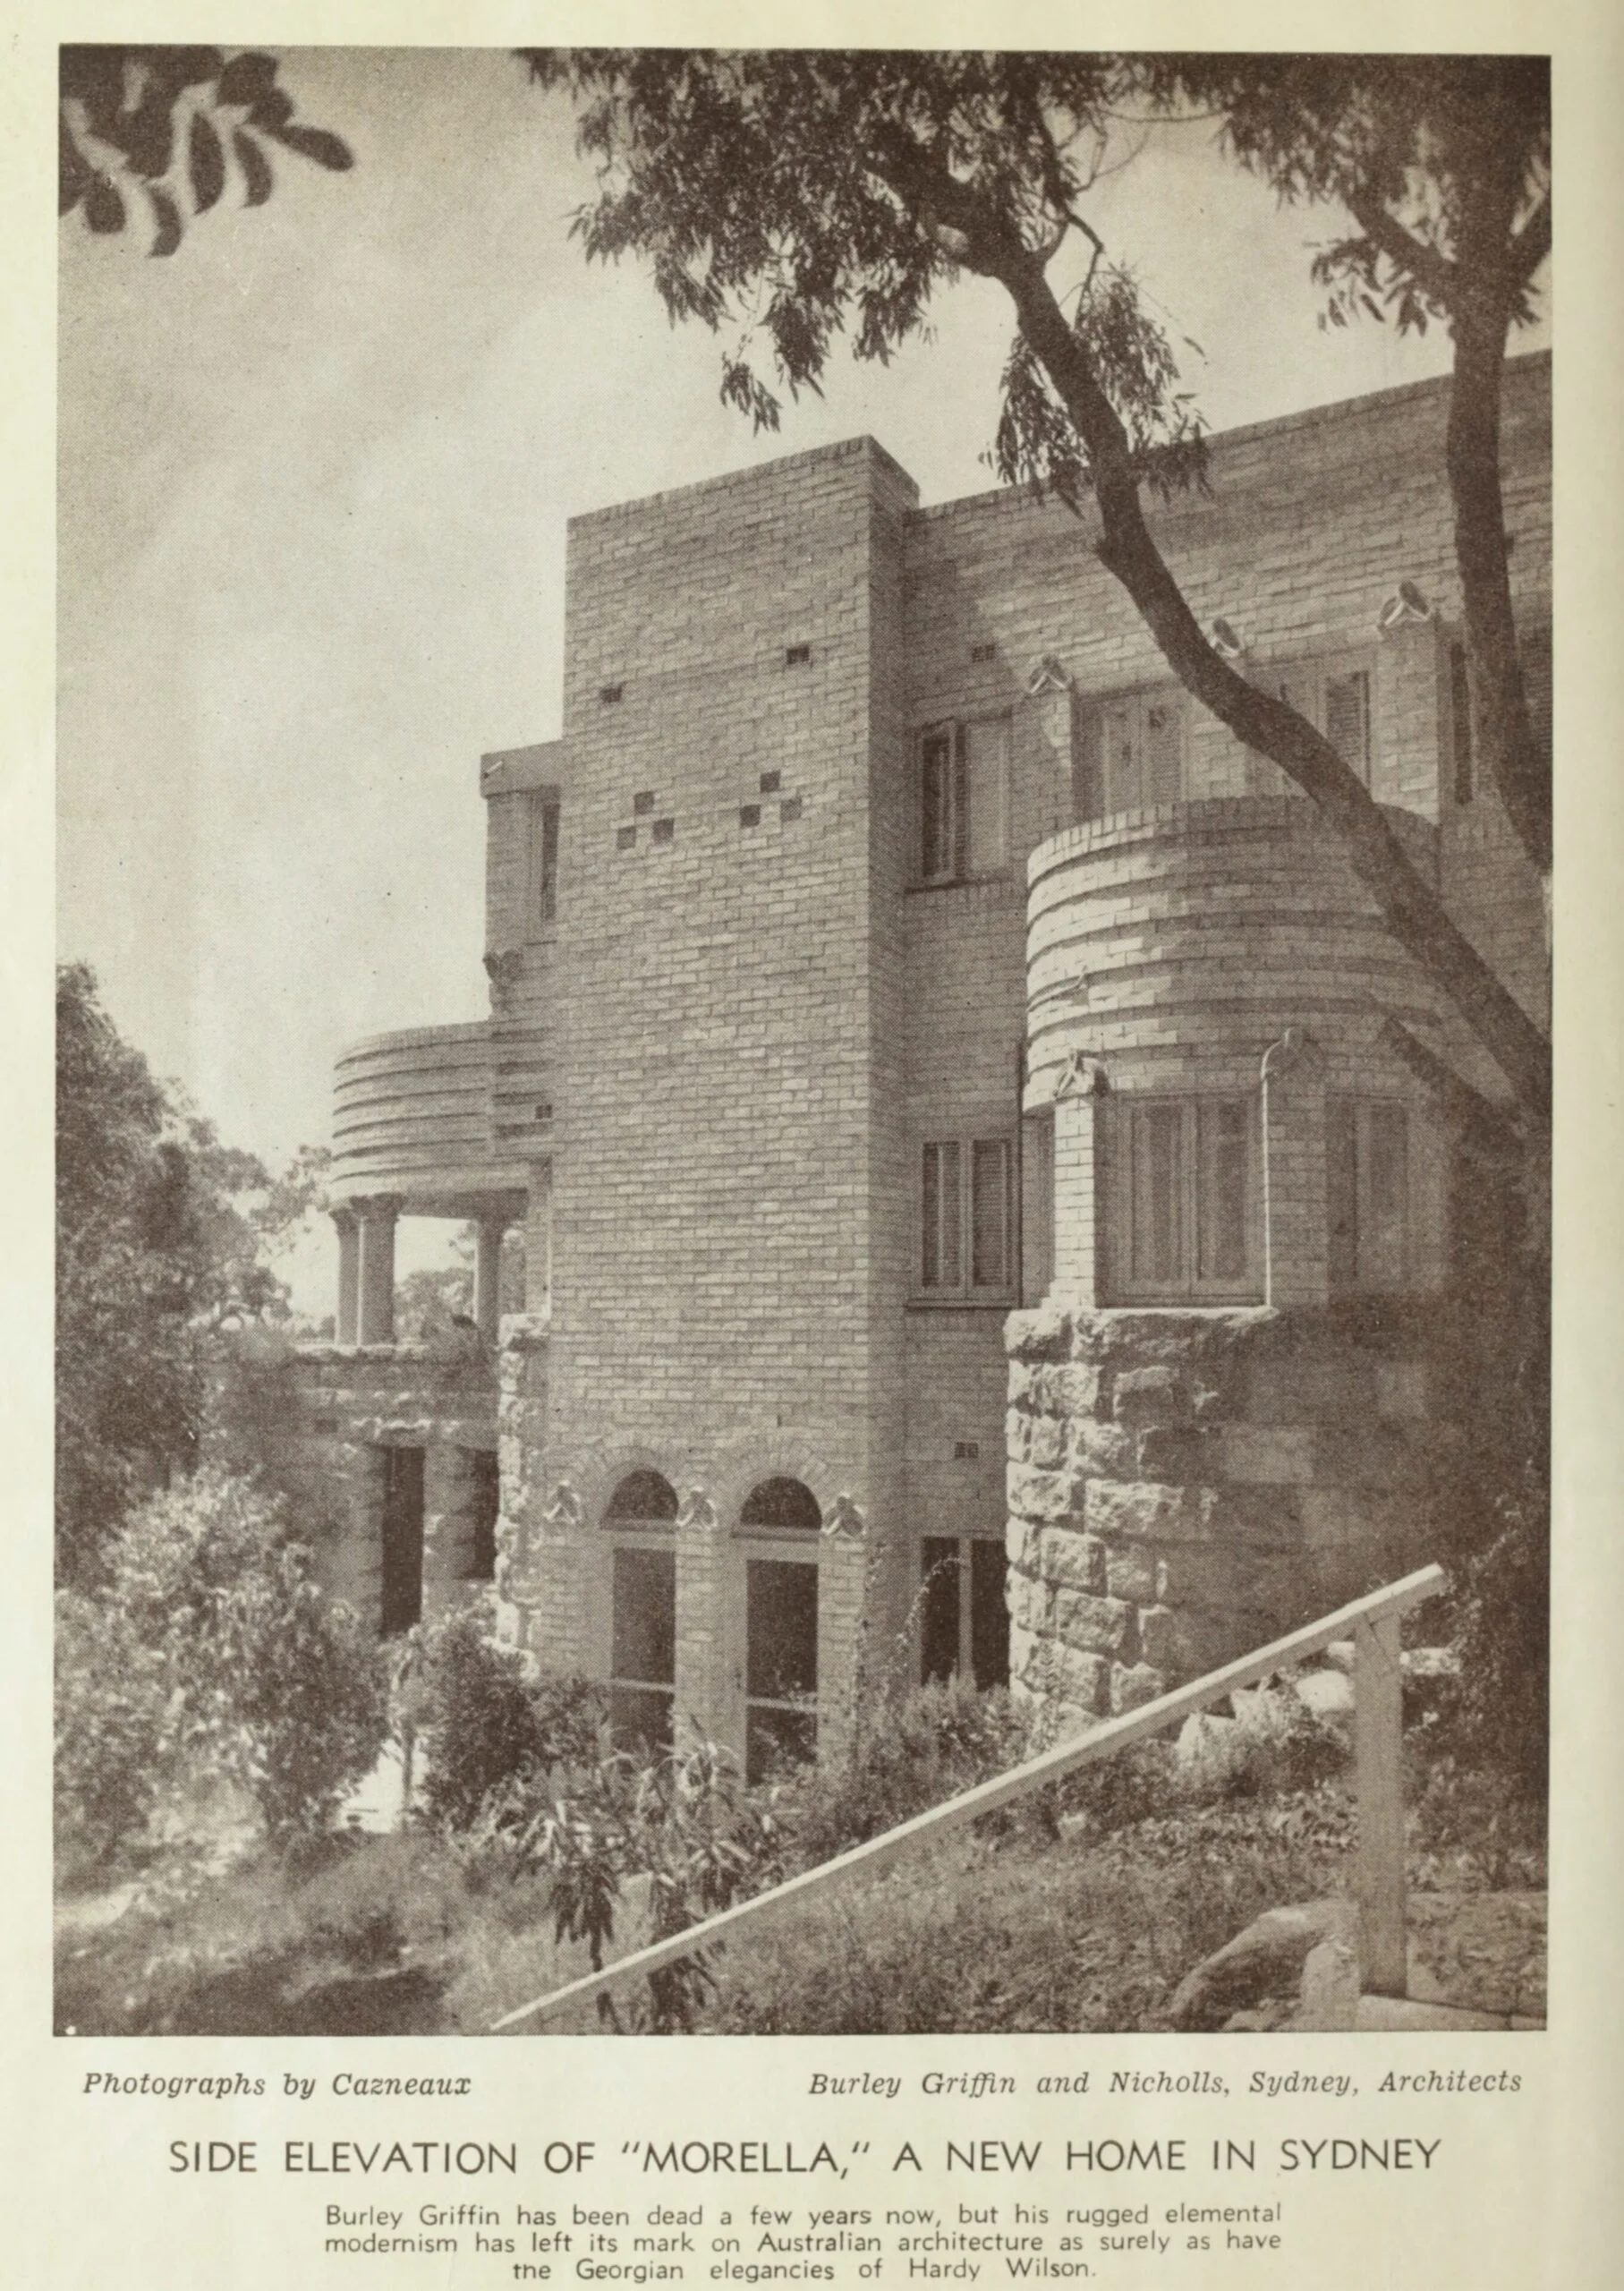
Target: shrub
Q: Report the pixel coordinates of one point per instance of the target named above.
(212, 1653)
(112, 1735)
(906, 1751)
(490, 1722)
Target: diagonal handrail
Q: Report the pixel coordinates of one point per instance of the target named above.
(1373, 1622)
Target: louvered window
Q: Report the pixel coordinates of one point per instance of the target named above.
(1128, 752)
(1335, 696)
(963, 800)
(1183, 1198)
(967, 1217)
(1368, 1188)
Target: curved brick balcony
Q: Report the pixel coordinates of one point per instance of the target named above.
(1170, 942)
(413, 1118)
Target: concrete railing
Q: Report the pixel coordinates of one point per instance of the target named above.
(1373, 1624)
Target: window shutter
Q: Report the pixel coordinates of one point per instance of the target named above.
(1156, 1157)
(1222, 1139)
(941, 1250)
(1341, 1195)
(987, 759)
(1121, 762)
(1164, 750)
(1347, 720)
(989, 1213)
(1087, 763)
(1460, 723)
(961, 803)
(936, 805)
(1383, 1198)
(1533, 654)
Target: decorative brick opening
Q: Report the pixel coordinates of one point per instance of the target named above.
(797, 656)
(771, 781)
(750, 815)
(790, 808)
(625, 837)
(608, 695)
(664, 830)
(642, 802)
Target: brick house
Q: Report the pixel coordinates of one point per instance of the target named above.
(974, 1203)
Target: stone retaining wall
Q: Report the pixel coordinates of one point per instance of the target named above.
(1185, 1486)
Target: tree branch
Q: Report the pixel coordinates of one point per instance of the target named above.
(1432, 271)
(1409, 905)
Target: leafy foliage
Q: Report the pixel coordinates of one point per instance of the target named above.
(153, 1247)
(795, 198)
(134, 122)
(491, 1724)
(210, 1654)
(792, 198)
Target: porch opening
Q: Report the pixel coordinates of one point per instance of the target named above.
(401, 1597)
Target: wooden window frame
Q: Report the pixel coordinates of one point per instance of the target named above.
(1305, 685)
(542, 829)
(1127, 1175)
(955, 1221)
(953, 741)
(1091, 771)
(1356, 1267)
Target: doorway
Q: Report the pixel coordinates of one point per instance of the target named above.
(400, 1596)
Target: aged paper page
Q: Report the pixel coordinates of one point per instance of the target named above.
(308, 483)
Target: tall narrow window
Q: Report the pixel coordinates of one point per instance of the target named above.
(543, 857)
(966, 1216)
(642, 1649)
(1335, 696)
(1128, 752)
(1460, 723)
(484, 1505)
(963, 800)
(964, 1621)
(401, 1603)
(1183, 1194)
(1367, 1157)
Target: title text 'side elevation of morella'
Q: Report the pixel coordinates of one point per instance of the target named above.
(979, 1211)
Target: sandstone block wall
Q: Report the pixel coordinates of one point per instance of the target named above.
(317, 1422)
(1185, 1486)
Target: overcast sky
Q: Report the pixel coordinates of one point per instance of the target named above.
(315, 473)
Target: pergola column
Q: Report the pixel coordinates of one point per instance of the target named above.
(489, 1231)
(349, 1274)
(376, 1279)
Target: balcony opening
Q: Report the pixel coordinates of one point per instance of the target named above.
(401, 1593)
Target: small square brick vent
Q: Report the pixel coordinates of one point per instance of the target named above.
(797, 656)
(771, 781)
(609, 693)
(750, 815)
(966, 1451)
(664, 830)
(643, 801)
(625, 837)
(790, 808)
(983, 652)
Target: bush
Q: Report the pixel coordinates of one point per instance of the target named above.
(212, 1653)
(908, 1750)
(112, 1745)
(490, 1722)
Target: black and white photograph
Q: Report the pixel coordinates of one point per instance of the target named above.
(805, 908)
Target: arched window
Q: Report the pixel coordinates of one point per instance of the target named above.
(644, 1499)
(780, 1627)
(781, 1507)
(642, 1634)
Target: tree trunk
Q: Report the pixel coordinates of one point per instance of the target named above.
(1410, 906)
